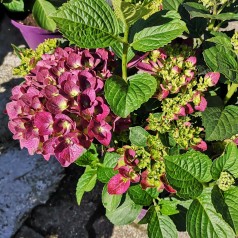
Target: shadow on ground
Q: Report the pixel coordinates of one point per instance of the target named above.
(61, 217)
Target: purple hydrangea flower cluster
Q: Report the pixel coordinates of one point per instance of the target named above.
(60, 108)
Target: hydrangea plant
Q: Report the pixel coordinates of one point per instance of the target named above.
(145, 98)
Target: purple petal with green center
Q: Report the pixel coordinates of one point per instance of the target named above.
(63, 124)
(50, 91)
(74, 61)
(57, 104)
(71, 89)
(101, 131)
(68, 150)
(44, 122)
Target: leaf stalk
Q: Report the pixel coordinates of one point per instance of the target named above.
(231, 90)
(125, 52)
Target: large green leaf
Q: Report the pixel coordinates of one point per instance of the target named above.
(88, 23)
(168, 207)
(124, 97)
(127, 12)
(14, 5)
(161, 226)
(41, 11)
(138, 136)
(106, 171)
(139, 196)
(187, 172)
(198, 10)
(220, 123)
(124, 214)
(110, 202)
(231, 198)
(157, 36)
(221, 39)
(204, 221)
(172, 4)
(228, 161)
(222, 59)
(86, 183)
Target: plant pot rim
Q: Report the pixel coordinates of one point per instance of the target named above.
(35, 28)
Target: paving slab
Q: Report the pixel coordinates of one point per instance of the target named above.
(25, 182)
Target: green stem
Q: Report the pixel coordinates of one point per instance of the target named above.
(124, 54)
(212, 23)
(230, 92)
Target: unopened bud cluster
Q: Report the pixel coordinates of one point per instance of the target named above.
(30, 57)
(234, 42)
(211, 3)
(225, 181)
(180, 91)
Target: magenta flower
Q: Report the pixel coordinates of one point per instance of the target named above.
(68, 149)
(60, 109)
(202, 146)
(120, 183)
(202, 105)
(212, 78)
(101, 131)
(44, 123)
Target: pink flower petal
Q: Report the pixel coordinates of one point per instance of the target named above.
(118, 184)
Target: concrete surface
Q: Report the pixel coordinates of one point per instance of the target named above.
(24, 184)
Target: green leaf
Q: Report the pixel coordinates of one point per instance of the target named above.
(168, 207)
(111, 159)
(172, 4)
(106, 172)
(157, 36)
(110, 202)
(187, 172)
(198, 10)
(127, 12)
(124, 214)
(41, 11)
(226, 162)
(124, 97)
(223, 60)
(231, 198)
(86, 183)
(118, 50)
(221, 39)
(228, 66)
(14, 5)
(220, 123)
(88, 23)
(138, 136)
(161, 226)
(204, 221)
(139, 196)
(153, 192)
(90, 157)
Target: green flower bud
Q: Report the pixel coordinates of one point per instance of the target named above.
(225, 181)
